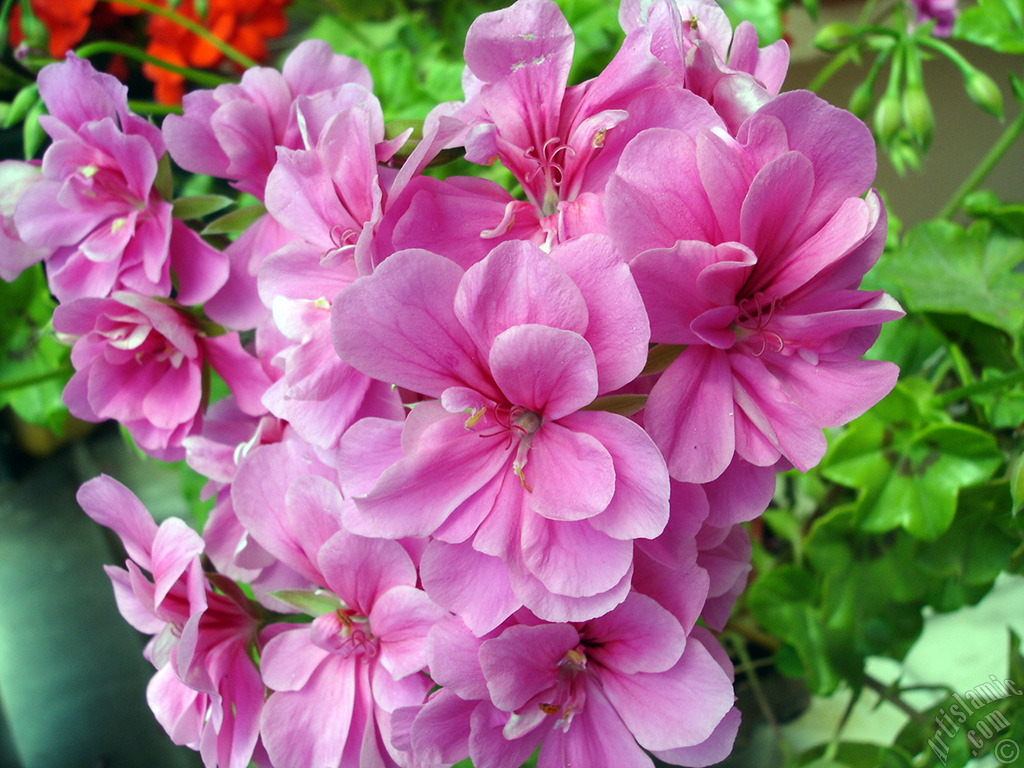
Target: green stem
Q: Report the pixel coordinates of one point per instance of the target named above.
(196, 29)
(196, 76)
(984, 168)
(39, 378)
(5, 14)
(981, 387)
(152, 108)
(834, 65)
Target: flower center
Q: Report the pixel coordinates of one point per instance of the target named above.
(752, 322)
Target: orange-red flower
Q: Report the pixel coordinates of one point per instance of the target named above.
(243, 24)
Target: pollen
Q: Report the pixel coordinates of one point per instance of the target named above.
(550, 709)
(475, 417)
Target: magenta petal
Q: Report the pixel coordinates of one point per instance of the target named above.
(741, 493)
(596, 735)
(772, 413)
(775, 203)
(639, 506)
(112, 505)
(638, 635)
(453, 656)
(523, 661)
(359, 570)
(572, 475)
(471, 584)
(241, 371)
(488, 745)
(572, 558)
(201, 270)
(689, 415)
(618, 330)
(835, 393)
(311, 726)
(677, 708)
(551, 606)
(712, 750)
(517, 284)
(440, 733)
(399, 325)
(418, 493)
(549, 371)
(401, 618)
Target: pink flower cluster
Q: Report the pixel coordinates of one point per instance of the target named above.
(486, 462)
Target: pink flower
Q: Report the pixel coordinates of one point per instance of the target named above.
(561, 143)
(15, 255)
(207, 693)
(514, 348)
(749, 252)
(596, 693)
(329, 197)
(943, 12)
(695, 40)
(234, 131)
(96, 207)
(140, 361)
(335, 681)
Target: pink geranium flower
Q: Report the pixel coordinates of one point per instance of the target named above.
(696, 41)
(749, 252)
(15, 255)
(596, 693)
(97, 208)
(513, 348)
(206, 693)
(560, 142)
(140, 362)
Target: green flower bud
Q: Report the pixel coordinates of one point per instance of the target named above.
(984, 92)
(861, 100)
(917, 115)
(887, 117)
(834, 37)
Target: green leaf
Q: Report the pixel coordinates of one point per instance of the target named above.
(985, 205)
(236, 221)
(312, 603)
(33, 134)
(945, 268)
(197, 206)
(25, 99)
(995, 24)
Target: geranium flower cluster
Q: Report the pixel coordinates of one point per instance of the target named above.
(487, 455)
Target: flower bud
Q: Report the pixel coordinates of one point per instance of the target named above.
(917, 115)
(834, 37)
(984, 92)
(861, 100)
(887, 117)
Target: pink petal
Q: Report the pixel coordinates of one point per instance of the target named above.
(471, 584)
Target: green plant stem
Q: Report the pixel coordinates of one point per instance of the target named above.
(152, 108)
(39, 378)
(984, 168)
(747, 665)
(5, 14)
(196, 76)
(834, 65)
(197, 29)
(886, 693)
(981, 387)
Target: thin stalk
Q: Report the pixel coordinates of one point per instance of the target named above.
(887, 694)
(981, 387)
(152, 108)
(747, 665)
(984, 168)
(197, 29)
(834, 65)
(39, 378)
(5, 14)
(208, 79)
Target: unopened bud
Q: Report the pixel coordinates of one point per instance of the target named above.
(861, 100)
(834, 37)
(917, 115)
(984, 92)
(887, 118)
